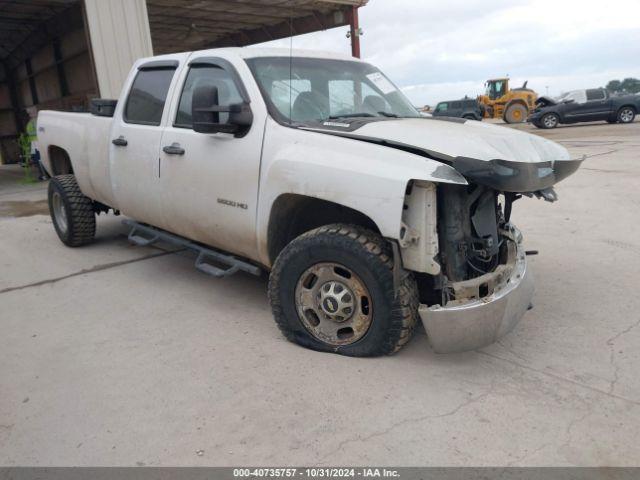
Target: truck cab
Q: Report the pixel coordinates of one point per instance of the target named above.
(496, 88)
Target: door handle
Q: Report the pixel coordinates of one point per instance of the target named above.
(173, 149)
(120, 141)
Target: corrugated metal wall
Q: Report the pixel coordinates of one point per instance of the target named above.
(119, 31)
(56, 74)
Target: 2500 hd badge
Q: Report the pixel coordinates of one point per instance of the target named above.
(231, 203)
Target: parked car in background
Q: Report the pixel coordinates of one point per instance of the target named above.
(588, 105)
(468, 108)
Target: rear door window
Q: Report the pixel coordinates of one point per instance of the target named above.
(148, 95)
(595, 94)
(577, 96)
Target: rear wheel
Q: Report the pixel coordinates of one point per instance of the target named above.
(515, 113)
(71, 211)
(549, 120)
(626, 115)
(332, 289)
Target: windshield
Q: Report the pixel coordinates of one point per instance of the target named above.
(495, 89)
(300, 89)
(578, 96)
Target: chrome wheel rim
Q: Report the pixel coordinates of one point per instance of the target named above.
(333, 304)
(550, 121)
(59, 212)
(626, 115)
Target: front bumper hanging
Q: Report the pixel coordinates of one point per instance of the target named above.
(472, 323)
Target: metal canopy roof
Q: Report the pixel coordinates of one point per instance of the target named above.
(179, 25)
(20, 20)
(176, 25)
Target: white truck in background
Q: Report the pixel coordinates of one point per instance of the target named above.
(316, 168)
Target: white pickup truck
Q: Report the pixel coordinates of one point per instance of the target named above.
(316, 168)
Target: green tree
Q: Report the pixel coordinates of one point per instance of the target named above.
(614, 86)
(628, 85)
(631, 85)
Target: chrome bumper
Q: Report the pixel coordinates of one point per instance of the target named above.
(469, 324)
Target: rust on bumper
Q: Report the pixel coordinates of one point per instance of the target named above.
(472, 323)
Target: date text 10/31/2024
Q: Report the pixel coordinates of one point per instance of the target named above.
(315, 473)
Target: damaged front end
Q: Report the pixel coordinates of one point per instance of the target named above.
(457, 239)
(484, 285)
(477, 285)
(545, 101)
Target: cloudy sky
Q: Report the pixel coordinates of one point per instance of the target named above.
(445, 49)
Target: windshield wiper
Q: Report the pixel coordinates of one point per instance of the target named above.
(350, 115)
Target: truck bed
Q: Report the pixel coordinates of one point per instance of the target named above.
(86, 139)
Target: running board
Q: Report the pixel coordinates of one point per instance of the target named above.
(144, 235)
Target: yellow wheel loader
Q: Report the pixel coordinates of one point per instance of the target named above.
(512, 105)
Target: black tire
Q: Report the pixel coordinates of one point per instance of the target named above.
(515, 113)
(71, 211)
(549, 120)
(393, 312)
(626, 115)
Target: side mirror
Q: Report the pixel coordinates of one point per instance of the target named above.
(205, 113)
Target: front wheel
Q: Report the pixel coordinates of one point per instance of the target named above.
(550, 120)
(626, 115)
(332, 289)
(71, 211)
(515, 113)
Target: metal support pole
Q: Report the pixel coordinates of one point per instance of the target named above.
(355, 32)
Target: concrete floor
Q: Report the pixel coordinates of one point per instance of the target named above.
(119, 355)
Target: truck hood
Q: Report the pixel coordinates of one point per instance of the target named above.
(545, 101)
(499, 157)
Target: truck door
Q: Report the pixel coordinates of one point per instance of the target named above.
(209, 182)
(572, 108)
(135, 140)
(595, 108)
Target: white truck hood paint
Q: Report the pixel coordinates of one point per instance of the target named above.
(471, 139)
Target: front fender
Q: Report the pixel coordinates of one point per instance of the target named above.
(366, 177)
